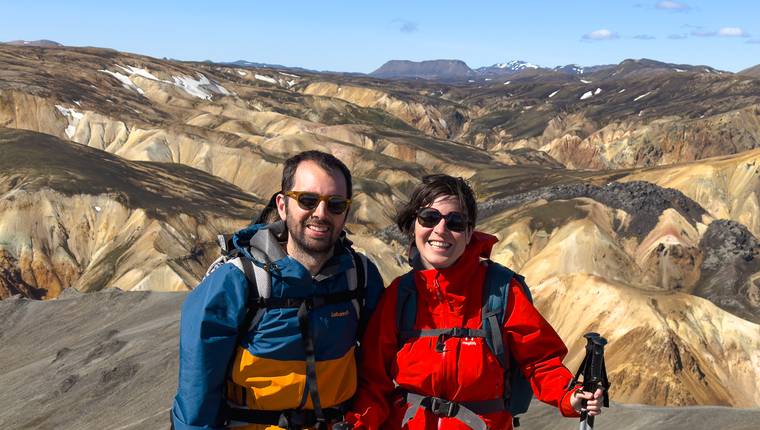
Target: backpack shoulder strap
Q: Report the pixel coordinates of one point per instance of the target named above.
(406, 306)
(517, 389)
(357, 281)
(356, 277)
(260, 286)
(495, 293)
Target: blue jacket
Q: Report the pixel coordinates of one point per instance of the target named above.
(269, 370)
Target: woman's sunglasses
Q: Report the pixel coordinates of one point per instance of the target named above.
(429, 217)
(309, 201)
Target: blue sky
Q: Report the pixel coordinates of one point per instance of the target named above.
(359, 36)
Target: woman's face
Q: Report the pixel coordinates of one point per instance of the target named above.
(440, 247)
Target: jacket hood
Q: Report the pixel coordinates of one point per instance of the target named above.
(265, 238)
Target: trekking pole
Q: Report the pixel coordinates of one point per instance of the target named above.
(594, 374)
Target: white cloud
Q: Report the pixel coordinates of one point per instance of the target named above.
(672, 5)
(677, 36)
(732, 32)
(602, 34)
(644, 37)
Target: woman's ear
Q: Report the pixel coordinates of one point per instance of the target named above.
(470, 230)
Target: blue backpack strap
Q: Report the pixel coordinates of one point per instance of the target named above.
(517, 389)
(406, 306)
(495, 292)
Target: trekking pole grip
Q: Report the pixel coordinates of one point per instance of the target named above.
(594, 373)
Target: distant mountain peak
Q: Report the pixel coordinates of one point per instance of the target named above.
(41, 42)
(516, 65)
(430, 69)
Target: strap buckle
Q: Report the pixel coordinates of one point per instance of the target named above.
(295, 419)
(443, 408)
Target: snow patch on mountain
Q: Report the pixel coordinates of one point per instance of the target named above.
(642, 96)
(201, 87)
(138, 71)
(125, 81)
(515, 65)
(266, 78)
(73, 116)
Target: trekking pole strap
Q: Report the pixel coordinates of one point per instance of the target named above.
(466, 412)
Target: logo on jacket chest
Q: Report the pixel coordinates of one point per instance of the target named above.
(339, 314)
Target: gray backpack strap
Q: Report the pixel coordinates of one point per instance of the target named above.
(261, 284)
(466, 412)
(356, 277)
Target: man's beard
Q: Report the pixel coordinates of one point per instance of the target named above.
(306, 245)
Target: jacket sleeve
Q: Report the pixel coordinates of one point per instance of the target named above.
(538, 350)
(211, 315)
(378, 351)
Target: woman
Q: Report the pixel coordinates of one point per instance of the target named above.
(432, 378)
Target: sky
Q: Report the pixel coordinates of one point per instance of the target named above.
(361, 35)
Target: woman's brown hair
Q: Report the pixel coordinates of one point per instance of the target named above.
(432, 187)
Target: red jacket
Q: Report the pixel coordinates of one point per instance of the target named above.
(466, 370)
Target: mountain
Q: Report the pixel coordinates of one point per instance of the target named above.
(751, 71)
(433, 69)
(646, 67)
(117, 223)
(508, 68)
(41, 42)
(629, 200)
(254, 65)
(455, 70)
(523, 68)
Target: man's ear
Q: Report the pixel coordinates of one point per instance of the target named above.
(281, 206)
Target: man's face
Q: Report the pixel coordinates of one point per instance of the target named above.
(313, 231)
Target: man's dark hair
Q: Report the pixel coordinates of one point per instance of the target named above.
(323, 160)
(432, 187)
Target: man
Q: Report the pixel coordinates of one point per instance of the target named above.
(269, 337)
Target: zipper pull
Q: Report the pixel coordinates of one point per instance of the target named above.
(438, 292)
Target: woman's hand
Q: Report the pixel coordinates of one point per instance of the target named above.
(593, 401)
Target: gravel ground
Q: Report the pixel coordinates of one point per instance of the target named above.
(108, 360)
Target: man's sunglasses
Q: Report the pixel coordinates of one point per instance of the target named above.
(309, 201)
(429, 217)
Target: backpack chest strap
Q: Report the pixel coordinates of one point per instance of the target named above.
(443, 334)
(309, 302)
(466, 412)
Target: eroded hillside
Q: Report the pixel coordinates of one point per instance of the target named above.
(73, 216)
(118, 170)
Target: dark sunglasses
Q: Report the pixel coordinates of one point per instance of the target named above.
(309, 201)
(429, 217)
